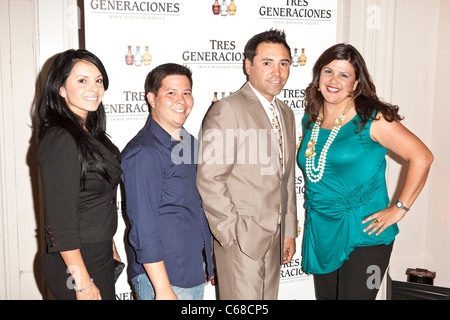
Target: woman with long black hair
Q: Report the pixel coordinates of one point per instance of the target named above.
(80, 171)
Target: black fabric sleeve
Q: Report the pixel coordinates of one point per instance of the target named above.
(60, 172)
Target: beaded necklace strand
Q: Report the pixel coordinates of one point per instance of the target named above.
(315, 174)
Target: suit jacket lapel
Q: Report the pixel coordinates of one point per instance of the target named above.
(285, 125)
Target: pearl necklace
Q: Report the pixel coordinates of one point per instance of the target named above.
(315, 174)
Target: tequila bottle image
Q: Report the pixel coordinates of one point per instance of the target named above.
(232, 8)
(224, 8)
(129, 57)
(138, 57)
(215, 99)
(147, 57)
(216, 7)
(295, 59)
(303, 58)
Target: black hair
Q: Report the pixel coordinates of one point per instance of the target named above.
(271, 36)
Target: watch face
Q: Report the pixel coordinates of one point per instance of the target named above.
(399, 204)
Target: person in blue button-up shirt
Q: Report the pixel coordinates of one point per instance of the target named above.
(169, 237)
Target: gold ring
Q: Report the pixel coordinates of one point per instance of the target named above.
(375, 221)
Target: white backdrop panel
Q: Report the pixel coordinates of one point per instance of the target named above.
(189, 33)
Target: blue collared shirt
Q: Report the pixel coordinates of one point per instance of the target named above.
(164, 207)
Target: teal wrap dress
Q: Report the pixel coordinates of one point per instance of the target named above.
(352, 188)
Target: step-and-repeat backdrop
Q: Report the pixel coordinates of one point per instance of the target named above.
(132, 37)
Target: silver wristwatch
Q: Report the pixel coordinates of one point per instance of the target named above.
(401, 206)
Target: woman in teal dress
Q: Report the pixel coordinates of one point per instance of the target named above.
(350, 225)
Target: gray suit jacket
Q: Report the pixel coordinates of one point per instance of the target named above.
(244, 190)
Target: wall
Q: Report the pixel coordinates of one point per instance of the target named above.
(418, 36)
(437, 252)
(18, 210)
(406, 45)
(32, 31)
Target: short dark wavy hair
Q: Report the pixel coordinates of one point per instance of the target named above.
(271, 36)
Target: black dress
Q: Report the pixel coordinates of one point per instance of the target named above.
(77, 218)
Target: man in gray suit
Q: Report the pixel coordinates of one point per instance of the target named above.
(246, 175)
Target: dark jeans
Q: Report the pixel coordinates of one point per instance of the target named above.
(358, 278)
